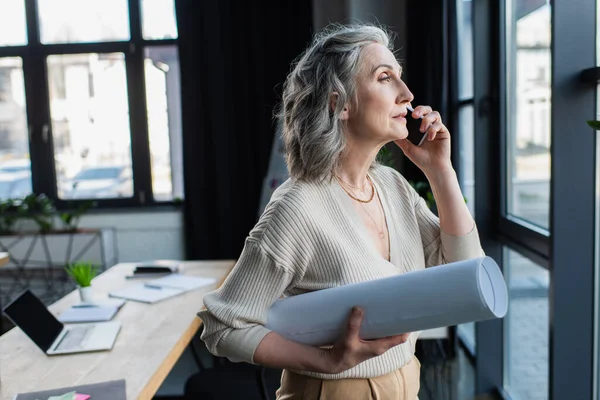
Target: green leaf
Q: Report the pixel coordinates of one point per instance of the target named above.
(82, 272)
(66, 218)
(594, 124)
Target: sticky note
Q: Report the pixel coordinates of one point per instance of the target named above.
(66, 396)
(80, 396)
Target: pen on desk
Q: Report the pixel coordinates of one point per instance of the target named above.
(149, 286)
(145, 276)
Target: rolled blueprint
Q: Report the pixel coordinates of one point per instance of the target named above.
(446, 295)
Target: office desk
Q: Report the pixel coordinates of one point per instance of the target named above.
(3, 259)
(151, 340)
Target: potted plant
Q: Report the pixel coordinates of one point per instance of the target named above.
(71, 218)
(83, 273)
(40, 209)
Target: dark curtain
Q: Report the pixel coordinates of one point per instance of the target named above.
(427, 62)
(234, 55)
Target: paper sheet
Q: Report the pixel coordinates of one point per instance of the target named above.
(184, 282)
(450, 294)
(146, 294)
(87, 314)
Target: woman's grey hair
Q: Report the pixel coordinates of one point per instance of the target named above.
(312, 131)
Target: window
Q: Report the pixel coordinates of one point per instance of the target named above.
(158, 19)
(528, 111)
(76, 21)
(15, 169)
(102, 100)
(90, 125)
(535, 59)
(526, 328)
(161, 65)
(12, 23)
(465, 118)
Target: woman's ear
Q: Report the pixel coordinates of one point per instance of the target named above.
(333, 103)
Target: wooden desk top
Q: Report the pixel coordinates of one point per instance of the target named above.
(151, 340)
(3, 259)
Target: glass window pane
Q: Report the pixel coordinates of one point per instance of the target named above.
(526, 328)
(13, 31)
(465, 48)
(467, 334)
(528, 112)
(15, 168)
(597, 217)
(467, 155)
(164, 121)
(76, 21)
(597, 222)
(90, 125)
(467, 184)
(158, 19)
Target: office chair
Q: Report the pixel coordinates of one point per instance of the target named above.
(232, 382)
(227, 380)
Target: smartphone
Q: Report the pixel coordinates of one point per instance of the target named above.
(415, 136)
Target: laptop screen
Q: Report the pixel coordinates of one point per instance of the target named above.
(31, 315)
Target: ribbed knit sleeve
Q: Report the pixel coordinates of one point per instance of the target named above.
(236, 313)
(439, 247)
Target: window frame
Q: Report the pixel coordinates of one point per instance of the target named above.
(457, 104)
(34, 54)
(515, 232)
(570, 243)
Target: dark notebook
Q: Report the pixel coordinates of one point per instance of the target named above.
(111, 390)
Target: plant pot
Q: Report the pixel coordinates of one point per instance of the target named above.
(86, 294)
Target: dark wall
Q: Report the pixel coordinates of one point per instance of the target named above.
(234, 56)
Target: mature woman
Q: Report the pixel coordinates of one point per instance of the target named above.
(341, 218)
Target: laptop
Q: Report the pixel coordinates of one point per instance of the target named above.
(52, 336)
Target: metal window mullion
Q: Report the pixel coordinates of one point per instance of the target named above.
(158, 42)
(135, 21)
(43, 173)
(572, 202)
(506, 93)
(453, 75)
(83, 48)
(529, 238)
(486, 37)
(13, 51)
(465, 102)
(138, 122)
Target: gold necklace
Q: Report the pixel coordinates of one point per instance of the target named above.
(354, 197)
(352, 186)
(382, 230)
(382, 235)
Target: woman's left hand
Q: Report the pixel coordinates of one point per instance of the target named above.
(434, 154)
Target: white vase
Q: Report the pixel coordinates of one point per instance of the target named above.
(86, 294)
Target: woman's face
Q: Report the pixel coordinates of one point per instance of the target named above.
(381, 98)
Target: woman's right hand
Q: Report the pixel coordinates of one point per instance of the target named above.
(350, 350)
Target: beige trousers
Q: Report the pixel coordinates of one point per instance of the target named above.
(402, 384)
